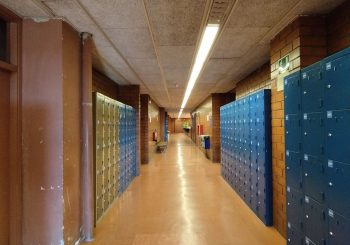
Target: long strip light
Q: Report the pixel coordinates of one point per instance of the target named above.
(210, 32)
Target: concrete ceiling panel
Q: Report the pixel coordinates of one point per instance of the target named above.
(176, 56)
(24, 8)
(259, 13)
(236, 42)
(117, 13)
(133, 42)
(176, 23)
(145, 66)
(177, 76)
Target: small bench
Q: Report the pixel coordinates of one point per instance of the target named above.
(161, 146)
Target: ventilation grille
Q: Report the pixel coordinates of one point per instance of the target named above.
(219, 10)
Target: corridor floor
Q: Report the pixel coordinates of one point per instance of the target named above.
(180, 199)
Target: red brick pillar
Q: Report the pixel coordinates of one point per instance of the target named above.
(144, 99)
(218, 100)
(304, 40)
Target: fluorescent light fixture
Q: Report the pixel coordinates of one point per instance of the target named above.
(207, 42)
(180, 112)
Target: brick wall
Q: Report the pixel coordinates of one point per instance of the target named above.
(304, 40)
(104, 85)
(144, 98)
(338, 28)
(259, 79)
(218, 99)
(130, 95)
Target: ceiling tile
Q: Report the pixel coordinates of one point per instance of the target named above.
(24, 8)
(176, 56)
(235, 42)
(133, 42)
(259, 13)
(176, 23)
(117, 13)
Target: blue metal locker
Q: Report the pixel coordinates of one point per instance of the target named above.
(294, 236)
(312, 88)
(294, 170)
(314, 178)
(315, 221)
(295, 208)
(338, 135)
(292, 96)
(338, 187)
(313, 134)
(337, 81)
(339, 227)
(293, 132)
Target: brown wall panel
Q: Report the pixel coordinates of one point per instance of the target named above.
(144, 128)
(71, 133)
(104, 85)
(4, 156)
(42, 126)
(171, 125)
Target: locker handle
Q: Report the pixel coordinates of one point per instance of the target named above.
(321, 102)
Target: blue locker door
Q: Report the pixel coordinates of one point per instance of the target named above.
(337, 82)
(315, 221)
(338, 188)
(292, 132)
(313, 134)
(339, 229)
(293, 170)
(314, 177)
(338, 135)
(294, 236)
(312, 89)
(292, 97)
(295, 208)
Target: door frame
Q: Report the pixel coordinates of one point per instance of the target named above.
(14, 67)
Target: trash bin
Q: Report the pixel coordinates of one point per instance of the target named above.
(206, 142)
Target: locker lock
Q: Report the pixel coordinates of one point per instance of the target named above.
(306, 174)
(330, 184)
(331, 233)
(329, 86)
(307, 216)
(329, 134)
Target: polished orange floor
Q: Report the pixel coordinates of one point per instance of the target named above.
(180, 198)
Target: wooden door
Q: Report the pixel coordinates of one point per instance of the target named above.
(4, 156)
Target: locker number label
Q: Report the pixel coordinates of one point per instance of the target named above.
(306, 157)
(328, 66)
(329, 114)
(307, 199)
(330, 163)
(331, 213)
(305, 116)
(304, 75)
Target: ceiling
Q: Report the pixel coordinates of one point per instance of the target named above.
(153, 42)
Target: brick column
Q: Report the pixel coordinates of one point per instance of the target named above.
(130, 95)
(304, 40)
(218, 99)
(162, 123)
(144, 98)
